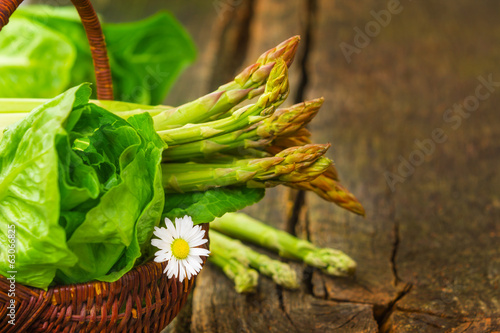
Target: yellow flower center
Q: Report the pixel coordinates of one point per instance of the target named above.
(180, 248)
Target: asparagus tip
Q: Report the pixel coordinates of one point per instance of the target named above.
(285, 49)
(331, 261)
(246, 281)
(283, 275)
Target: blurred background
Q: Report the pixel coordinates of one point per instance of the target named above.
(411, 91)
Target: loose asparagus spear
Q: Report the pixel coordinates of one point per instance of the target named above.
(248, 84)
(280, 272)
(282, 122)
(245, 279)
(241, 226)
(296, 164)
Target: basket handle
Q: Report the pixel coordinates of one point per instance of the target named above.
(95, 38)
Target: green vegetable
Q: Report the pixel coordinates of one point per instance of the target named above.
(110, 238)
(44, 50)
(241, 226)
(276, 91)
(85, 185)
(296, 164)
(15, 109)
(205, 206)
(249, 83)
(280, 272)
(245, 278)
(259, 135)
(29, 195)
(35, 61)
(147, 57)
(82, 187)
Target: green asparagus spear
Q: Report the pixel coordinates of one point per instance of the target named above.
(22, 106)
(15, 109)
(241, 226)
(248, 84)
(295, 164)
(245, 279)
(280, 272)
(283, 122)
(253, 75)
(328, 187)
(276, 92)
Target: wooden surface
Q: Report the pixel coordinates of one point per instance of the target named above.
(428, 250)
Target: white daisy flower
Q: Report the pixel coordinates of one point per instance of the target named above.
(177, 245)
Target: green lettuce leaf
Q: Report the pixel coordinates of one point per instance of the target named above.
(82, 187)
(205, 206)
(35, 61)
(109, 240)
(29, 192)
(145, 56)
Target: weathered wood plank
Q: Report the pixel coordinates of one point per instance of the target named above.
(440, 226)
(272, 309)
(351, 119)
(425, 323)
(448, 208)
(311, 314)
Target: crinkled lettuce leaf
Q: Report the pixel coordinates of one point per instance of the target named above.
(83, 188)
(145, 56)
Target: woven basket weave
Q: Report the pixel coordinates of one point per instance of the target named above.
(143, 300)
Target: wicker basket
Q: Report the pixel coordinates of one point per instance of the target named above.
(143, 300)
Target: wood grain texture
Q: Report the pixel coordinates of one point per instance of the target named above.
(427, 252)
(438, 231)
(351, 119)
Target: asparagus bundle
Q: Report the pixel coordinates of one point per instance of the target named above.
(241, 226)
(280, 272)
